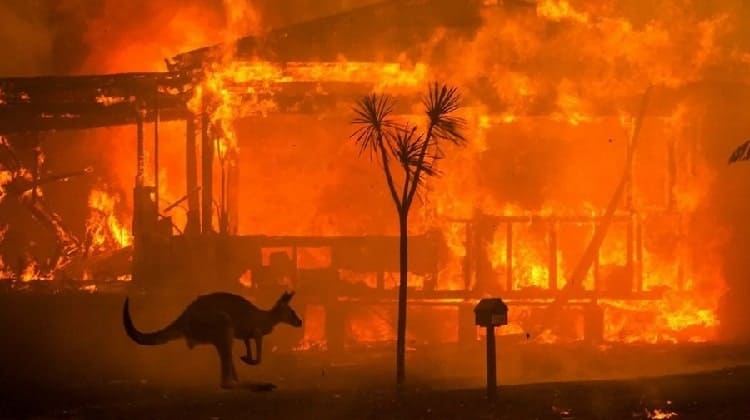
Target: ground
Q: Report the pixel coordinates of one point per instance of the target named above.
(67, 357)
(721, 394)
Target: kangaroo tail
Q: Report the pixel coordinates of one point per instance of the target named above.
(169, 333)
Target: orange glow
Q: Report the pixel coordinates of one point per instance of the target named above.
(557, 10)
(548, 127)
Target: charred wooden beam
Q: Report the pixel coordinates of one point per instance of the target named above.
(58, 105)
(552, 255)
(139, 149)
(8, 125)
(207, 168)
(191, 171)
(139, 84)
(524, 297)
(233, 192)
(156, 151)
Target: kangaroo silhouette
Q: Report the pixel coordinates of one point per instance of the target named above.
(217, 319)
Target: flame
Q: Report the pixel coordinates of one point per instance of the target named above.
(90, 288)
(104, 230)
(559, 10)
(659, 414)
(109, 100)
(5, 272)
(32, 272)
(538, 126)
(5, 178)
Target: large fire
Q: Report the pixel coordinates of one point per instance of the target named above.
(538, 92)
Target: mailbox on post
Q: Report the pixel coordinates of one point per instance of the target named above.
(491, 313)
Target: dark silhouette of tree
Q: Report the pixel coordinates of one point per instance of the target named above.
(402, 145)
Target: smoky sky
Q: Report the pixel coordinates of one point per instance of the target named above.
(41, 37)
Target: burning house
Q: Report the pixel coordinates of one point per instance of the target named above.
(579, 200)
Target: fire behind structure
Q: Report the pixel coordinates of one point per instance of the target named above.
(205, 255)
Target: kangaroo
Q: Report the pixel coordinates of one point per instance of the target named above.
(217, 319)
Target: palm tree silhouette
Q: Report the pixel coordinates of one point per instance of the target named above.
(401, 145)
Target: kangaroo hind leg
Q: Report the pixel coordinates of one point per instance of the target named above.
(223, 343)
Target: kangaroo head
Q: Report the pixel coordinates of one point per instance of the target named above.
(285, 313)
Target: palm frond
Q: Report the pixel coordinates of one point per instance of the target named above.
(741, 153)
(407, 147)
(440, 103)
(372, 117)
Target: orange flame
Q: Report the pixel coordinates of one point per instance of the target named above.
(104, 230)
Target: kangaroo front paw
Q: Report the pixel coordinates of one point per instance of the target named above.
(229, 383)
(248, 360)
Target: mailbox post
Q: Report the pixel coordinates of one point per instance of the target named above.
(491, 313)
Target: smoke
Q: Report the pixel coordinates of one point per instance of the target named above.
(27, 41)
(92, 36)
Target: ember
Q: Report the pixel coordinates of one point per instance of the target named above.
(659, 414)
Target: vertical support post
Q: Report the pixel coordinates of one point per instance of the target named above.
(639, 255)
(509, 256)
(630, 159)
(156, 151)
(597, 261)
(671, 173)
(140, 159)
(295, 273)
(138, 251)
(483, 230)
(630, 239)
(552, 271)
(468, 266)
(191, 161)
(233, 190)
(223, 188)
(491, 364)
(207, 167)
(630, 248)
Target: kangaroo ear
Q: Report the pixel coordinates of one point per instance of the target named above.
(286, 297)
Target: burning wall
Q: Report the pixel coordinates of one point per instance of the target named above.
(549, 92)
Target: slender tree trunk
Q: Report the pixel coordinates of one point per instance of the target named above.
(401, 332)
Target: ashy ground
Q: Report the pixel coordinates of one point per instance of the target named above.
(722, 394)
